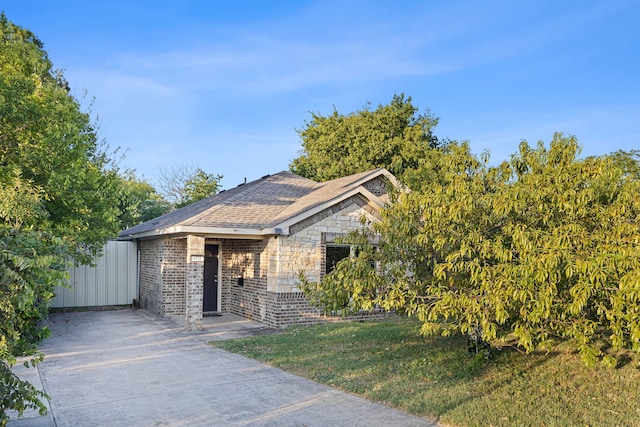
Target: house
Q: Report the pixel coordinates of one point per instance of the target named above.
(242, 250)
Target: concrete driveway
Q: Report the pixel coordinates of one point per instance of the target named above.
(133, 368)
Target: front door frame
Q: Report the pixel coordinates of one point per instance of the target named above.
(219, 274)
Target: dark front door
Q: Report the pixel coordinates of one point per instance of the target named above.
(210, 288)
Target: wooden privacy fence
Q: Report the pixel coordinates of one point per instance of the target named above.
(111, 281)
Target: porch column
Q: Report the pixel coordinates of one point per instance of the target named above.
(194, 283)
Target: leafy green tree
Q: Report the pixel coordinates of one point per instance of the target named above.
(629, 161)
(392, 136)
(59, 193)
(182, 185)
(544, 247)
(32, 262)
(44, 133)
(139, 201)
(200, 186)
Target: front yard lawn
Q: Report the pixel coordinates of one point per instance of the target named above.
(437, 378)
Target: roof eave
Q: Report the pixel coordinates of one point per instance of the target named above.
(218, 232)
(377, 172)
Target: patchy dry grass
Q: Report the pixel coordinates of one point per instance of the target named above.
(387, 361)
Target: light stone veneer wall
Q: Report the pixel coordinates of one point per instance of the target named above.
(304, 250)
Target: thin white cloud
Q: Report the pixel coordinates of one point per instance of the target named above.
(160, 99)
(265, 61)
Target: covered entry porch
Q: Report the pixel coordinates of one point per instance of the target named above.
(192, 277)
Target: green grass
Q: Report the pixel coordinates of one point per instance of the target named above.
(388, 362)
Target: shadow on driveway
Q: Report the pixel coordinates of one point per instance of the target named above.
(133, 368)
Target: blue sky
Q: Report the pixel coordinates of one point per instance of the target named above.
(225, 84)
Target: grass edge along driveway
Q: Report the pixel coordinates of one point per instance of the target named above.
(389, 362)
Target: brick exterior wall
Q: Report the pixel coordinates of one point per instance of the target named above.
(162, 275)
(246, 259)
(285, 309)
(377, 186)
(194, 279)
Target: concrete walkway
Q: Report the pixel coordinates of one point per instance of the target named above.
(133, 368)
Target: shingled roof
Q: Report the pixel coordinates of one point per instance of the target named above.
(267, 206)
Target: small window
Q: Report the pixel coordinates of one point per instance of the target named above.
(336, 253)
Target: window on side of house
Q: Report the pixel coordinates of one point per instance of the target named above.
(335, 253)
